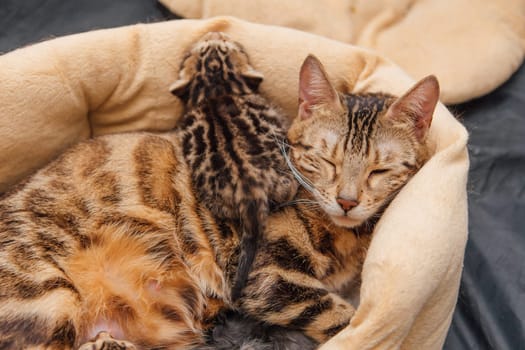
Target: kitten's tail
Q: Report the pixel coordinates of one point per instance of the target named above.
(253, 214)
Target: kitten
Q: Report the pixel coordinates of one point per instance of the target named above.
(109, 246)
(229, 135)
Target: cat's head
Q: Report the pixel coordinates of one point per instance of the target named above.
(355, 152)
(215, 65)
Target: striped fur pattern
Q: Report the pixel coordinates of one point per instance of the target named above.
(109, 238)
(352, 154)
(229, 137)
(110, 247)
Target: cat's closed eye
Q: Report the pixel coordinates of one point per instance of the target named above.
(329, 162)
(378, 172)
(309, 168)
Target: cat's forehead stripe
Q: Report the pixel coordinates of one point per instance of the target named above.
(363, 110)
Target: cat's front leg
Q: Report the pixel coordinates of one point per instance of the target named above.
(297, 301)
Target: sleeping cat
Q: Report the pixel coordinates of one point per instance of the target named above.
(352, 154)
(108, 247)
(229, 135)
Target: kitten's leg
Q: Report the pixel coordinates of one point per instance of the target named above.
(105, 341)
(297, 301)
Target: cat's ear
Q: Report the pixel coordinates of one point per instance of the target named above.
(315, 90)
(179, 87)
(252, 78)
(417, 105)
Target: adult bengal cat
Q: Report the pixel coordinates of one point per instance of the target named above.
(108, 247)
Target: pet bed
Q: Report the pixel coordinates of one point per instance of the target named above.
(64, 90)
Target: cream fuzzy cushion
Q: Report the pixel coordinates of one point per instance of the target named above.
(58, 92)
(472, 46)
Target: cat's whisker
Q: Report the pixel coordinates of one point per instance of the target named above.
(303, 181)
(303, 200)
(307, 203)
(311, 205)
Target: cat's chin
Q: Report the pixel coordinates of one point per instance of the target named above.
(345, 221)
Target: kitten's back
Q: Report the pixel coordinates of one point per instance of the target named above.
(230, 137)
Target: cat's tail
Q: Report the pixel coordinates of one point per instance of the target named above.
(253, 214)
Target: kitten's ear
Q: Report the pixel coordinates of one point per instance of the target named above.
(179, 87)
(315, 89)
(252, 78)
(418, 104)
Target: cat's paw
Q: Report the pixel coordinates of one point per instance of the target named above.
(285, 189)
(105, 341)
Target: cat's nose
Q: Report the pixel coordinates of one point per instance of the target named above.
(346, 204)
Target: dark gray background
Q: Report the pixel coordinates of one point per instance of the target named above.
(491, 307)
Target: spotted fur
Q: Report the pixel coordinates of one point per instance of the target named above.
(110, 244)
(230, 137)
